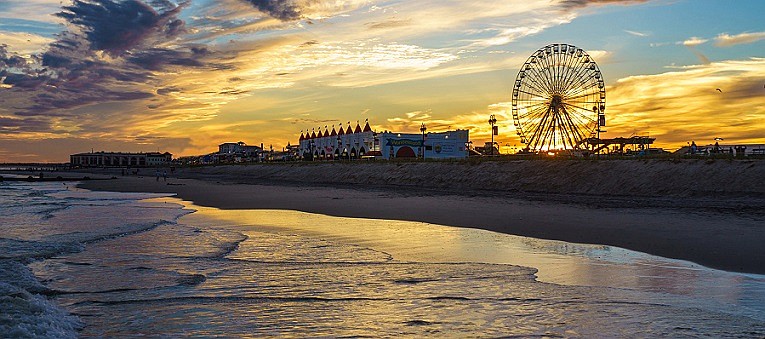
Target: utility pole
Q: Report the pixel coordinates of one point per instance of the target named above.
(423, 129)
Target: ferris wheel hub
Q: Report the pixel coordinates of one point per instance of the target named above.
(557, 101)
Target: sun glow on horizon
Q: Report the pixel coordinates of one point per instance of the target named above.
(209, 72)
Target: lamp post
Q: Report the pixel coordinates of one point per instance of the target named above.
(423, 129)
(492, 122)
(600, 113)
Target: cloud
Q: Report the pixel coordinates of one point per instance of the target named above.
(116, 27)
(726, 40)
(693, 41)
(684, 105)
(691, 44)
(286, 10)
(24, 43)
(573, 4)
(636, 33)
(280, 9)
(33, 10)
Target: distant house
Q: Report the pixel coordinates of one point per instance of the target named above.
(237, 152)
(120, 159)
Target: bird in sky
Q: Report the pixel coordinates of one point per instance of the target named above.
(719, 90)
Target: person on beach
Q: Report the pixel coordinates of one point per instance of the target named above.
(164, 175)
(157, 173)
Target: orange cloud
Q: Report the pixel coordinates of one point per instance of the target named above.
(683, 105)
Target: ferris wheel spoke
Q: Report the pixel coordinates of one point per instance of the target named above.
(547, 75)
(585, 89)
(568, 61)
(575, 67)
(535, 114)
(567, 98)
(568, 132)
(533, 95)
(535, 105)
(538, 130)
(576, 84)
(581, 118)
(538, 78)
(575, 127)
(534, 89)
(581, 76)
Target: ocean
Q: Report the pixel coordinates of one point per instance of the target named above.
(76, 263)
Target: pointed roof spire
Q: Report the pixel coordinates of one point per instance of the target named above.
(349, 130)
(366, 126)
(334, 133)
(358, 128)
(326, 132)
(313, 134)
(341, 131)
(301, 135)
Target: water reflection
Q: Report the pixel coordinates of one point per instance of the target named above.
(557, 262)
(256, 273)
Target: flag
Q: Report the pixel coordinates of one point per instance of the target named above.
(601, 120)
(495, 130)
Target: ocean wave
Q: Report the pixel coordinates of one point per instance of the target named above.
(26, 311)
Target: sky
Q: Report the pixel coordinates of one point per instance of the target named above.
(185, 76)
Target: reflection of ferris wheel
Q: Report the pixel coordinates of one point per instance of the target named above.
(558, 99)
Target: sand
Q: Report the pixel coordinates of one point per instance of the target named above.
(691, 217)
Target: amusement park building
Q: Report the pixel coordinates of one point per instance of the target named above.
(354, 143)
(119, 159)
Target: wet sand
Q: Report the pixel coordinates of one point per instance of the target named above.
(697, 231)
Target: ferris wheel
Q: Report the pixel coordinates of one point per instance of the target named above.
(559, 99)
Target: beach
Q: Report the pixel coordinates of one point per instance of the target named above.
(219, 253)
(705, 211)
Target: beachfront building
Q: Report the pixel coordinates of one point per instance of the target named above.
(120, 159)
(360, 142)
(239, 148)
(237, 152)
(738, 150)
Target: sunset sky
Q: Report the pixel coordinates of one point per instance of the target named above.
(184, 76)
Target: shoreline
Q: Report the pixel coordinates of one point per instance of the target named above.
(722, 238)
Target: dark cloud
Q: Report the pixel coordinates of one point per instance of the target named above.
(71, 74)
(8, 60)
(281, 9)
(389, 24)
(167, 90)
(574, 4)
(24, 80)
(10, 125)
(309, 43)
(156, 59)
(116, 27)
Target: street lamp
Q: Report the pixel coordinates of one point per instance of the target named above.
(597, 113)
(423, 129)
(492, 122)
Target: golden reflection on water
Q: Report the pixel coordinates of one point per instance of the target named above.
(556, 261)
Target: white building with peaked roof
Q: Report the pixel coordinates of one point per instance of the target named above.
(358, 142)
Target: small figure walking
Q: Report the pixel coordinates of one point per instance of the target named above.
(164, 175)
(157, 173)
